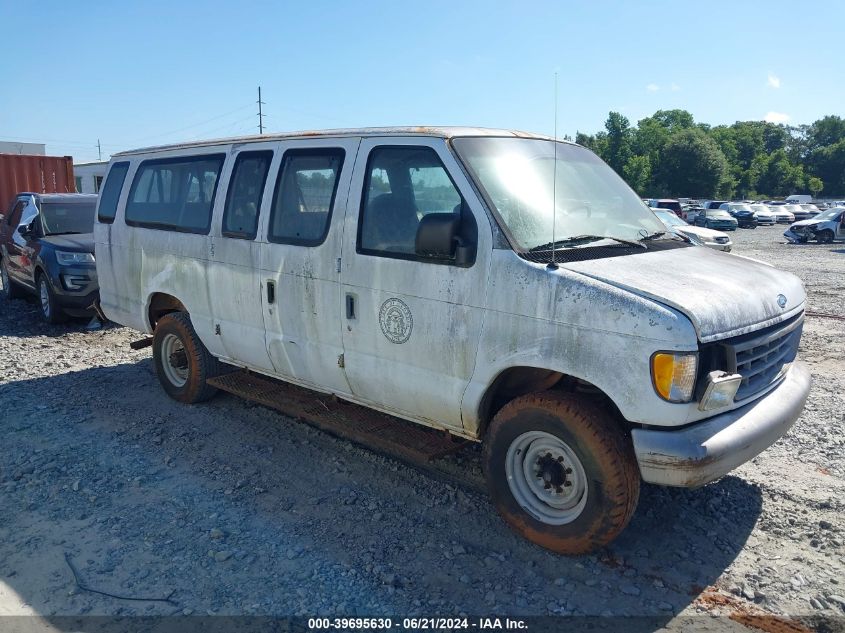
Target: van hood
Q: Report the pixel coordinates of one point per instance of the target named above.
(722, 295)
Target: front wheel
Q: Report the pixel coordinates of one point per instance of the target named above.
(51, 312)
(561, 472)
(182, 362)
(825, 237)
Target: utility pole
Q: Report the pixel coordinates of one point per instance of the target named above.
(260, 113)
(99, 151)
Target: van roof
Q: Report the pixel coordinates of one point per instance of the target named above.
(421, 130)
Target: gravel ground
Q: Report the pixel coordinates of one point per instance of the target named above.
(230, 508)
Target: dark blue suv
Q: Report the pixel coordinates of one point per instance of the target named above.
(47, 249)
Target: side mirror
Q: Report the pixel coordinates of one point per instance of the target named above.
(25, 230)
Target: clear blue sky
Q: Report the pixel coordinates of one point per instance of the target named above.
(141, 73)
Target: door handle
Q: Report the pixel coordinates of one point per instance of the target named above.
(271, 291)
(350, 306)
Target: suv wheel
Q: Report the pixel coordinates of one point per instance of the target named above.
(561, 472)
(10, 289)
(51, 312)
(182, 362)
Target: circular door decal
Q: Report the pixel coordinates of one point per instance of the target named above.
(396, 321)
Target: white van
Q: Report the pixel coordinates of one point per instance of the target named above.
(799, 199)
(420, 272)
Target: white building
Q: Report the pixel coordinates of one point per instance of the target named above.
(89, 176)
(31, 149)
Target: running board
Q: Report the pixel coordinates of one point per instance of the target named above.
(367, 427)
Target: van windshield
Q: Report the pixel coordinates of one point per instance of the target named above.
(524, 179)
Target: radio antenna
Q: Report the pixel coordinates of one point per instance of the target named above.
(552, 265)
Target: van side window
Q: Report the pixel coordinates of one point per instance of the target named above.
(304, 196)
(175, 194)
(111, 192)
(243, 200)
(403, 184)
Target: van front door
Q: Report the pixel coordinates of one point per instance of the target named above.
(299, 261)
(411, 323)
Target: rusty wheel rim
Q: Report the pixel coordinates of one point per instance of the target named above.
(546, 478)
(174, 360)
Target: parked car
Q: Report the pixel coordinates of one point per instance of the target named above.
(714, 204)
(742, 213)
(765, 216)
(666, 203)
(782, 214)
(812, 209)
(718, 219)
(47, 249)
(799, 199)
(800, 212)
(696, 234)
(826, 227)
(420, 271)
(688, 213)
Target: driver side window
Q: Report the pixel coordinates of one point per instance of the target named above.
(402, 185)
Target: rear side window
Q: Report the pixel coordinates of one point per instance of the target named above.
(304, 196)
(243, 200)
(111, 192)
(175, 194)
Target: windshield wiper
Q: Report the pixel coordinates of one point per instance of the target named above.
(65, 233)
(653, 236)
(582, 239)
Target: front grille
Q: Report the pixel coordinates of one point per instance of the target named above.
(760, 357)
(721, 240)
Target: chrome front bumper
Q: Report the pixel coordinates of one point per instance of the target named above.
(702, 452)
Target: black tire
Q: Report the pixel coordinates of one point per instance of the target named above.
(825, 237)
(11, 290)
(605, 453)
(198, 362)
(48, 305)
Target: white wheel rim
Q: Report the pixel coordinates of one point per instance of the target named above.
(174, 360)
(546, 478)
(44, 294)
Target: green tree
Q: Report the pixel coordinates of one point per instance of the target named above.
(692, 164)
(637, 174)
(780, 177)
(618, 148)
(815, 185)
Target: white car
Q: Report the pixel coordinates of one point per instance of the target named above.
(764, 214)
(698, 235)
(782, 214)
(826, 227)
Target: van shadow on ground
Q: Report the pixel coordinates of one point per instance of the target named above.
(101, 465)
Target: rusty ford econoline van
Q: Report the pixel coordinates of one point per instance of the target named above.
(503, 286)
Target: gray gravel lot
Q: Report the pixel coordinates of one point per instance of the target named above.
(230, 508)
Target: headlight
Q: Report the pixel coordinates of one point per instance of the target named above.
(68, 259)
(673, 375)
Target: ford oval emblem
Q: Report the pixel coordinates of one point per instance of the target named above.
(781, 301)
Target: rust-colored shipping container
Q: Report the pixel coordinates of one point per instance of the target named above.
(38, 174)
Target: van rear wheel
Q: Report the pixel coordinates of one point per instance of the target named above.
(561, 472)
(182, 362)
